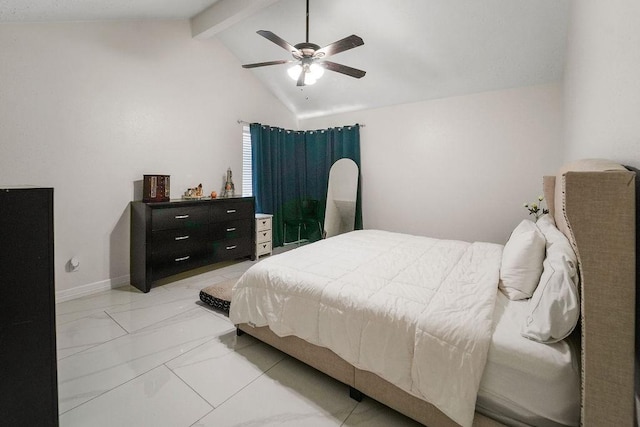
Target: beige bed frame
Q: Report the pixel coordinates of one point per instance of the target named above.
(598, 208)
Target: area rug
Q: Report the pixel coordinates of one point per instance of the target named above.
(219, 295)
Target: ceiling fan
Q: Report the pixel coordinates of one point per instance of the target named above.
(310, 57)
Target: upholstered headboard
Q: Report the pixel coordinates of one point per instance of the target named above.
(593, 204)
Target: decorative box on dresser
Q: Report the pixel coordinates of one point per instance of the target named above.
(172, 237)
(263, 234)
(28, 367)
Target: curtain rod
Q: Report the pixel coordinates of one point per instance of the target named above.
(242, 122)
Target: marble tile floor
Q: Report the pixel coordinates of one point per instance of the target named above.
(126, 358)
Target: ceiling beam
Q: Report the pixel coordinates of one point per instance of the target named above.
(223, 14)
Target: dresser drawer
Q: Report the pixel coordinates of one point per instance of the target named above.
(263, 224)
(178, 251)
(178, 265)
(225, 211)
(177, 246)
(177, 236)
(263, 236)
(179, 217)
(231, 249)
(231, 229)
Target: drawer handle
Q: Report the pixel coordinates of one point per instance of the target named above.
(229, 248)
(184, 258)
(182, 237)
(264, 246)
(264, 234)
(231, 211)
(182, 216)
(264, 222)
(231, 229)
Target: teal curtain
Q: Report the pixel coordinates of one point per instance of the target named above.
(289, 166)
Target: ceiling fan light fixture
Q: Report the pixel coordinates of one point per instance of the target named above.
(294, 72)
(311, 76)
(316, 71)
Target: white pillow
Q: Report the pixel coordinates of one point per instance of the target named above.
(554, 309)
(522, 261)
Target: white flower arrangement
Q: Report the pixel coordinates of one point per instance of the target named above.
(536, 209)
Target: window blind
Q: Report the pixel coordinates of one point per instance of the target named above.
(247, 174)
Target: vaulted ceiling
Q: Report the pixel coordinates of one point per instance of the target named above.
(413, 50)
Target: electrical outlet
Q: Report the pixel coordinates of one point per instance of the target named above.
(73, 264)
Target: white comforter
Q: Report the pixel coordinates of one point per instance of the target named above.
(415, 311)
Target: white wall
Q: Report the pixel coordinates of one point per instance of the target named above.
(602, 81)
(88, 108)
(458, 167)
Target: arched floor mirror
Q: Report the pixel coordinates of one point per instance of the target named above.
(340, 213)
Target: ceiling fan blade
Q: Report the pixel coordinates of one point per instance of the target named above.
(339, 68)
(263, 64)
(339, 46)
(301, 78)
(279, 41)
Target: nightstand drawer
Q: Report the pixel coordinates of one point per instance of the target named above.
(263, 236)
(179, 217)
(263, 248)
(263, 224)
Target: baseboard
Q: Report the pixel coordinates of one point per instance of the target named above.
(91, 288)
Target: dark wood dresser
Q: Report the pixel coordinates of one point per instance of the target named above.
(168, 238)
(28, 368)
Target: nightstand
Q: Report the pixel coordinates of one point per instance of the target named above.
(263, 234)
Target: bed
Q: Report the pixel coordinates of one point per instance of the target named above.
(389, 315)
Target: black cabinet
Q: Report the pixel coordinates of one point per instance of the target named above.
(28, 375)
(168, 238)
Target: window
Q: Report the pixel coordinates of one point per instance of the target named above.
(247, 175)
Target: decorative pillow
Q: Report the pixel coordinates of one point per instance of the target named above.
(554, 309)
(522, 261)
